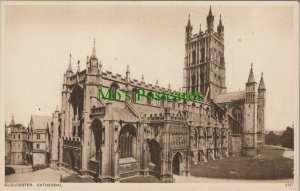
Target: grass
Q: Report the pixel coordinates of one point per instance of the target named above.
(248, 167)
(76, 178)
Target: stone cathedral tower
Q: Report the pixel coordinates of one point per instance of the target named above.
(204, 65)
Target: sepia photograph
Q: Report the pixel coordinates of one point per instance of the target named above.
(197, 95)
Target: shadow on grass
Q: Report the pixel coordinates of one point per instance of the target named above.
(271, 165)
(141, 179)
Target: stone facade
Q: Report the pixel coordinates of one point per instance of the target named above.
(115, 139)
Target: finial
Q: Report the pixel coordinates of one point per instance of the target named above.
(142, 77)
(94, 50)
(210, 12)
(78, 67)
(251, 64)
(70, 55)
(169, 85)
(262, 74)
(56, 107)
(127, 70)
(157, 82)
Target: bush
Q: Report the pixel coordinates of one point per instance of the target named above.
(9, 170)
(287, 138)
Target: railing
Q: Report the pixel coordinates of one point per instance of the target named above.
(98, 110)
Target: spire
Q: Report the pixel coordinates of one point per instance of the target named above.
(70, 64)
(12, 122)
(220, 21)
(93, 56)
(220, 27)
(200, 31)
(127, 70)
(210, 20)
(261, 83)
(210, 12)
(189, 21)
(156, 82)
(251, 75)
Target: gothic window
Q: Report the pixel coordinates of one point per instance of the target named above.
(127, 142)
(238, 115)
(19, 136)
(162, 103)
(38, 136)
(113, 90)
(173, 104)
(194, 58)
(133, 95)
(98, 137)
(37, 146)
(149, 98)
(193, 82)
(76, 99)
(202, 54)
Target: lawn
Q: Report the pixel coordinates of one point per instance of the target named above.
(271, 165)
(141, 179)
(76, 178)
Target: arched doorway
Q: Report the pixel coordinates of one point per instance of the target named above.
(176, 163)
(154, 149)
(97, 133)
(72, 158)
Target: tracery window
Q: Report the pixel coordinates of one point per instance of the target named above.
(127, 142)
(238, 115)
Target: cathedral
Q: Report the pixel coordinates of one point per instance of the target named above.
(110, 140)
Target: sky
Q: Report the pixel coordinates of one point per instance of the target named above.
(150, 39)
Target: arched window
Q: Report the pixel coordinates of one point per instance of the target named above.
(202, 54)
(37, 146)
(113, 90)
(98, 140)
(173, 104)
(238, 115)
(194, 58)
(193, 83)
(127, 142)
(76, 99)
(149, 98)
(133, 95)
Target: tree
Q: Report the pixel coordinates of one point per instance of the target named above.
(272, 139)
(287, 138)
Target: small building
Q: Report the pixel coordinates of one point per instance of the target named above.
(38, 153)
(15, 143)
